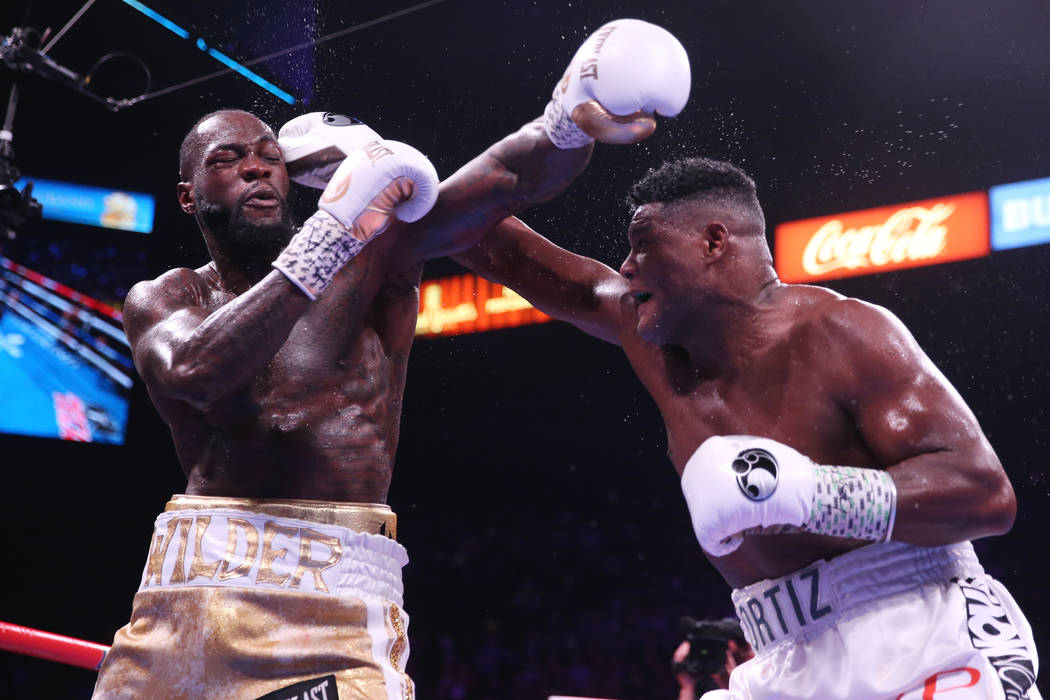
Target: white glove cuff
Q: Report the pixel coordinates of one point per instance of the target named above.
(561, 129)
(852, 502)
(317, 253)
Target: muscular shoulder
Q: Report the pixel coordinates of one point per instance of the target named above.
(845, 323)
(856, 340)
(178, 282)
(177, 288)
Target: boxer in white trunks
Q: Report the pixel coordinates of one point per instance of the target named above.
(855, 580)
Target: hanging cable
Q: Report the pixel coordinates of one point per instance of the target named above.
(121, 104)
(69, 24)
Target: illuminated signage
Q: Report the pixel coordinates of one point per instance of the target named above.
(469, 304)
(65, 363)
(929, 232)
(94, 206)
(1020, 214)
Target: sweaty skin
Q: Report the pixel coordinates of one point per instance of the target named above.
(724, 348)
(268, 394)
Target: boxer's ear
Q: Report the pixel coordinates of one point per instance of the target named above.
(184, 191)
(715, 239)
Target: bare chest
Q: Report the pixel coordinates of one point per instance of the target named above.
(344, 360)
(781, 396)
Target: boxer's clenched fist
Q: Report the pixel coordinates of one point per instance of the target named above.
(621, 76)
(736, 485)
(371, 187)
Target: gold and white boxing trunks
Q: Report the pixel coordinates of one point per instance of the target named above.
(888, 621)
(275, 599)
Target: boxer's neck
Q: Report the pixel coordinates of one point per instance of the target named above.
(729, 333)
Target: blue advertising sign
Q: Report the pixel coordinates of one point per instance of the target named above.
(1020, 214)
(94, 206)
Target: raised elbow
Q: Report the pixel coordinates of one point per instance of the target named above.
(994, 502)
(1001, 506)
(192, 383)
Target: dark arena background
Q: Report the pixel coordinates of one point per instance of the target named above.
(550, 544)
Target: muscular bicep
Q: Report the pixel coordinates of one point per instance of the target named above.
(517, 172)
(158, 316)
(201, 353)
(950, 483)
(567, 286)
(902, 404)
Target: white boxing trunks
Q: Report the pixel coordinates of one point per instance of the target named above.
(267, 599)
(888, 621)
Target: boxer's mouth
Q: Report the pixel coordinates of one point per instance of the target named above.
(642, 297)
(263, 197)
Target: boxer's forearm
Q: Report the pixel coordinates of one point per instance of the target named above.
(952, 496)
(541, 171)
(562, 284)
(200, 360)
(519, 171)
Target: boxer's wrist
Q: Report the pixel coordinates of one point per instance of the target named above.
(561, 129)
(315, 254)
(853, 502)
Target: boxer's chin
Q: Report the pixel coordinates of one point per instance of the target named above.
(649, 327)
(651, 332)
(266, 236)
(253, 232)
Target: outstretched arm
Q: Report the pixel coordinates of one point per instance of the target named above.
(517, 172)
(621, 77)
(569, 287)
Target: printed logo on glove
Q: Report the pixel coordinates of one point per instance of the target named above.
(333, 119)
(756, 473)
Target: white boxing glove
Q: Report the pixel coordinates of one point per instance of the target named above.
(621, 75)
(364, 174)
(386, 180)
(309, 142)
(733, 484)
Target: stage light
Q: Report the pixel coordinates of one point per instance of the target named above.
(202, 44)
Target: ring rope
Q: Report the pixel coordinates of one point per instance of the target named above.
(53, 647)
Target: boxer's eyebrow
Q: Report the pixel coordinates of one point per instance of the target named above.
(638, 228)
(232, 146)
(241, 147)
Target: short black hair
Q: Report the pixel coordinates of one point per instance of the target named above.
(192, 140)
(687, 178)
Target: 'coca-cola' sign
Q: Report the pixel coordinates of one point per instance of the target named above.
(887, 238)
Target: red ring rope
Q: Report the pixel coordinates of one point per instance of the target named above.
(54, 647)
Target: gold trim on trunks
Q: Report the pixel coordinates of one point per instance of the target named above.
(372, 518)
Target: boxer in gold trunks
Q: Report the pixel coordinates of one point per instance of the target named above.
(280, 365)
